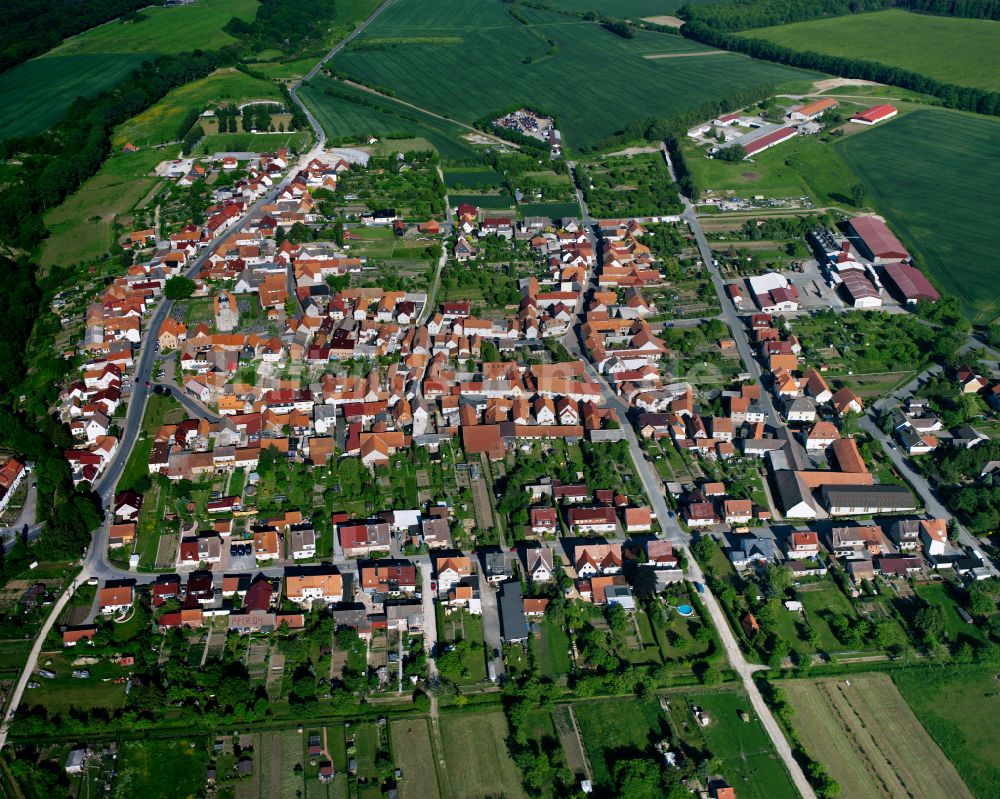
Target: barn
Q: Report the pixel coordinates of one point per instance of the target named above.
(873, 239)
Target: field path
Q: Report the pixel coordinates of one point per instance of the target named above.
(699, 54)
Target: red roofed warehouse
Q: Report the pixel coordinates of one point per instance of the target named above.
(875, 241)
(877, 113)
(909, 283)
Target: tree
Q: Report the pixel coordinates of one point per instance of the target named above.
(733, 154)
(858, 195)
(179, 288)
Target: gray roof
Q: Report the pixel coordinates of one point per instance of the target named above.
(875, 497)
(513, 624)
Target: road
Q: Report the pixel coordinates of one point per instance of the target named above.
(430, 618)
(668, 523)
(491, 624)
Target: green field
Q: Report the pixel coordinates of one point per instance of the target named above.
(472, 178)
(499, 62)
(257, 142)
(955, 706)
(476, 756)
(411, 745)
(961, 51)
(159, 123)
(802, 167)
(346, 119)
(613, 729)
(160, 769)
(80, 228)
(933, 174)
(37, 93)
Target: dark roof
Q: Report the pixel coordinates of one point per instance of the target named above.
(876, 497)
(513, 625)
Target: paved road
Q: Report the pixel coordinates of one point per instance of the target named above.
(430, 618)
(669, 525)
(491, 624)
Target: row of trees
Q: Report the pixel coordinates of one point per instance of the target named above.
(745, 14)
(964, 98)
(54, 165)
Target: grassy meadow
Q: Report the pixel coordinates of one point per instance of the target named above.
(467, 61)
(868, 738)
(80, 228)
(37, 93)
(933, 175)
(961, 51)
(159, 123)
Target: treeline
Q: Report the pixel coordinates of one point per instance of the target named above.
(55, 164)
(32, 27)
(660, 128)
(742, 15)
(69, 515)
(964, 98)
(287, 25)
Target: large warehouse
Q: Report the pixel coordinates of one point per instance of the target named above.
(861, 500)
(910, 284)
(875, 241)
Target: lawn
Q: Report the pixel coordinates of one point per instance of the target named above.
(804, 166)
(615, 729)
(476, 756)
(160, 769)
(159, 408)
(827, 597)
(943, 210)
(64, 692)
(80, 228)
(869, 739)
(255, 142)
(352, 115)
(411, 746)
(956, 706)
(746, 756)
(951, 50)
(940, 595)
(504, 62)
(551, 210)
(552, 650)
(159, 123)
(38, 92)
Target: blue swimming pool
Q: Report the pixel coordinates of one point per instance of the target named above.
(685, 610)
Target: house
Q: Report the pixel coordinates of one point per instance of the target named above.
(638, 520)
(544, 521)
(934, 536)
(592, 520)
(660, 554)
(591, 559)
(266, 545)
(307, 585)
(803, 544)
(813, 110)
(905, 534)
(538, 563)
(753, 550)
(496, 566)
(71, 636)
(360, 539)
(450, 570)
(510, 603)
(861, 541)
(303, 542)
(846, 401)
(116, 596)
(388, 577)
(737, 511)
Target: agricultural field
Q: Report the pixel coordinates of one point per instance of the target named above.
(39, 91)
(160, 769)
(943, 211)
(351, 114)
(81, 228)
(862, 730)
(259, 142)
(955, 706)
(505, 62)
(476, 756)
(949, 49)
(411, 745)
(159, 123)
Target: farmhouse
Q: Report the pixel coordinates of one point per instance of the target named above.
(811, 111)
